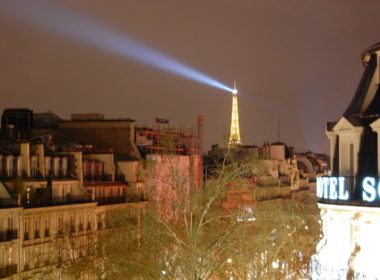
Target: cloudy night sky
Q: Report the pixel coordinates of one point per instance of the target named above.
(296, 61)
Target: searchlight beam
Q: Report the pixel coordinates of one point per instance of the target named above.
(56, 18)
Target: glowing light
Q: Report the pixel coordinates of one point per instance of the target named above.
(234, 90)
(275, 264)
(49, 15)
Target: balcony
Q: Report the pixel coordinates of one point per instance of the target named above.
(8, 202)
(99, 178)
(8, 235)
(8, 270)
(110, 200)
(51, 201)
(36, 234)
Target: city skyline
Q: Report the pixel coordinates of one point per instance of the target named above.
(295, 62)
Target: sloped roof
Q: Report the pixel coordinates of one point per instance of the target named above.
(365, 103)
(366, 54)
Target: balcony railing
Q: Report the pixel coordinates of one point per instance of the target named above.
(68, 199)
(8, 270)
(110, 200)
(8, 202)
(98, 178)
(8, 235)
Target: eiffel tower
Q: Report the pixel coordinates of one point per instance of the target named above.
(235, 139)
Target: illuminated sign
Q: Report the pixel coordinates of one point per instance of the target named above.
(333, 188)
(339, 189)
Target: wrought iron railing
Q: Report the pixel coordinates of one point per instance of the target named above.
(8, 235)
(8, 270)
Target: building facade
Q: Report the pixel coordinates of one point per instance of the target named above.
(349, 199)
(54, 205)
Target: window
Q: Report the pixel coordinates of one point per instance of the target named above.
(96, 169)
(47, 232)
(10, 223)
(56, 162)
(87, 168)
(60, 225)
(10, 256)
(19, 166)
(26, 230)
(33, 166)
(80, 222)
(101, 169)
(26, 259)
(47, 166)
(9, 166)
(64, 166)
(36, 229)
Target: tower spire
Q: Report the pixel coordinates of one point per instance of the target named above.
(235, 132)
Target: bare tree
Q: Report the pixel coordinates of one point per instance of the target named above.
(186, 233)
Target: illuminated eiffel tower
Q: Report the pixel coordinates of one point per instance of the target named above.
(235, 139)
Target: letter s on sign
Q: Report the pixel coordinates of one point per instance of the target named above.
(369, 192)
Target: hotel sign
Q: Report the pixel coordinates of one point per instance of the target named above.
(342, 189)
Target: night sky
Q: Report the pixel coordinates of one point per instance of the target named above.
(297, 61)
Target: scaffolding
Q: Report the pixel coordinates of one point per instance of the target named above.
(167, 140)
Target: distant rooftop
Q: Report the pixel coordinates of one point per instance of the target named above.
(91, 117)
(46, 120)
(87, 117)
